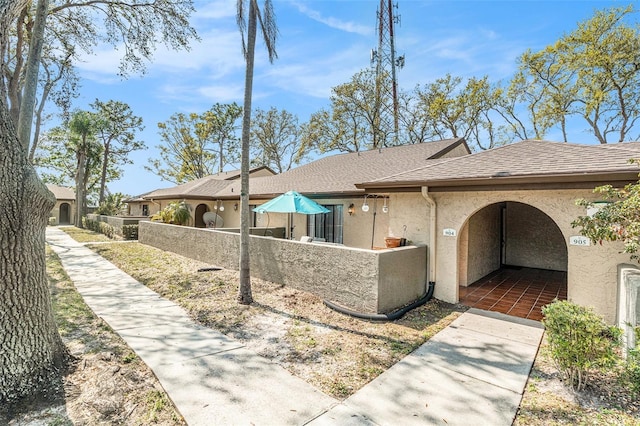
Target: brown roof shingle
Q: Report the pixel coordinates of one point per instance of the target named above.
(205, 187)
(531, 160)
(339, 174)
(62, 192)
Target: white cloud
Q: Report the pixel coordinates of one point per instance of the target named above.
(219, 9)
(217, 55)
(348, 26)
(222, 93)
(316, 75)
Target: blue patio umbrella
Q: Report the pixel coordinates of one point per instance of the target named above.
(291, 202)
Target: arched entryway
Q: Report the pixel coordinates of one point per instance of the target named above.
(65, 214)
(512, 258)
(201, 209)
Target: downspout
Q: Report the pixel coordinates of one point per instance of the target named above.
(153, 202)
(432, 233)
(431, 279)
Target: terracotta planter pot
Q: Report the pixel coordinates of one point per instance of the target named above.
(391, 242)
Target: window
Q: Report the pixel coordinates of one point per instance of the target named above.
(145, 210)
(326, 225)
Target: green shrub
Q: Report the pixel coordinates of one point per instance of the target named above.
(579, 340)
(177, 213)
(107, 229)
(631, 372)
(130, 232)
(101, 227)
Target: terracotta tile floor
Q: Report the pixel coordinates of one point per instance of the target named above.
(520, 292)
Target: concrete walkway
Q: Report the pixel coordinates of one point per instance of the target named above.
(473, 372)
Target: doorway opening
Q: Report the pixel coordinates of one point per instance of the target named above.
(201, 209)
(512, 258)
(65, 214)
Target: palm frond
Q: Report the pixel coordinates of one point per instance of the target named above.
(241, 20)
(269, 28)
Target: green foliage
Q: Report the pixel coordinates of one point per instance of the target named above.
(579, 340)
(275, 139)
(130, 232)
(101, 227)
(177, 213)
(631, 372)
(590, 73)
(112, 205)
(195, 146)
(116, 127)
(355, 121)
(618, 220)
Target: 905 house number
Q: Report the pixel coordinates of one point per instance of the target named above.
(579, 240)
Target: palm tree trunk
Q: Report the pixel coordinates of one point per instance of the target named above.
(244, 293)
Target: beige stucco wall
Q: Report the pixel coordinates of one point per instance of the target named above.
(591, 269)
(482, 244)
(533, 239)
(412, 211)
(371, 281)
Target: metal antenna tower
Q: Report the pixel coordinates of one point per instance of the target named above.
(385, 61)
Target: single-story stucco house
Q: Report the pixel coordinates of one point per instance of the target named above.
(477, 214)
(331, 181)
(64, 209)
(514, 206)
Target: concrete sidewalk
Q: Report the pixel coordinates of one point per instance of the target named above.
(473, 372)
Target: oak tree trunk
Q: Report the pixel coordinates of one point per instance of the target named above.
(31, 350)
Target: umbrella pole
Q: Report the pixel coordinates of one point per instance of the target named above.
(373, 228)
(291, 226)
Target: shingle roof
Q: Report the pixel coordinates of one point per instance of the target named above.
(62, 192)
(543, 161)
(205, 187)
(339, 174)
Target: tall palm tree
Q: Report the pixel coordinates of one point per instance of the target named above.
(248, 27)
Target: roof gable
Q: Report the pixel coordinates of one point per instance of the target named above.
(62, 192)
(530, 159)
(339, 174)
(205, 187)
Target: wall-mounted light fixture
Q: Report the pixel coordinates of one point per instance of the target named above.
(218, 206)
(351, 209)
(385, 208)
(235, 207)
(365, 206)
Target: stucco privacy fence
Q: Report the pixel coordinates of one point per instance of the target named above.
(368, 281)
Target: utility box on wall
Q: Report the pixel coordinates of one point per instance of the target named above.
(628, 306)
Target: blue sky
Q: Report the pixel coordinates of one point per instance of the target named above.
(322, 43)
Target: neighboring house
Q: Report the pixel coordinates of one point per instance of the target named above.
(199, 194)
(64, 209)
(514, 206)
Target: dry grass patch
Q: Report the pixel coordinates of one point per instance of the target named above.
(84, 235)
(336, 353)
